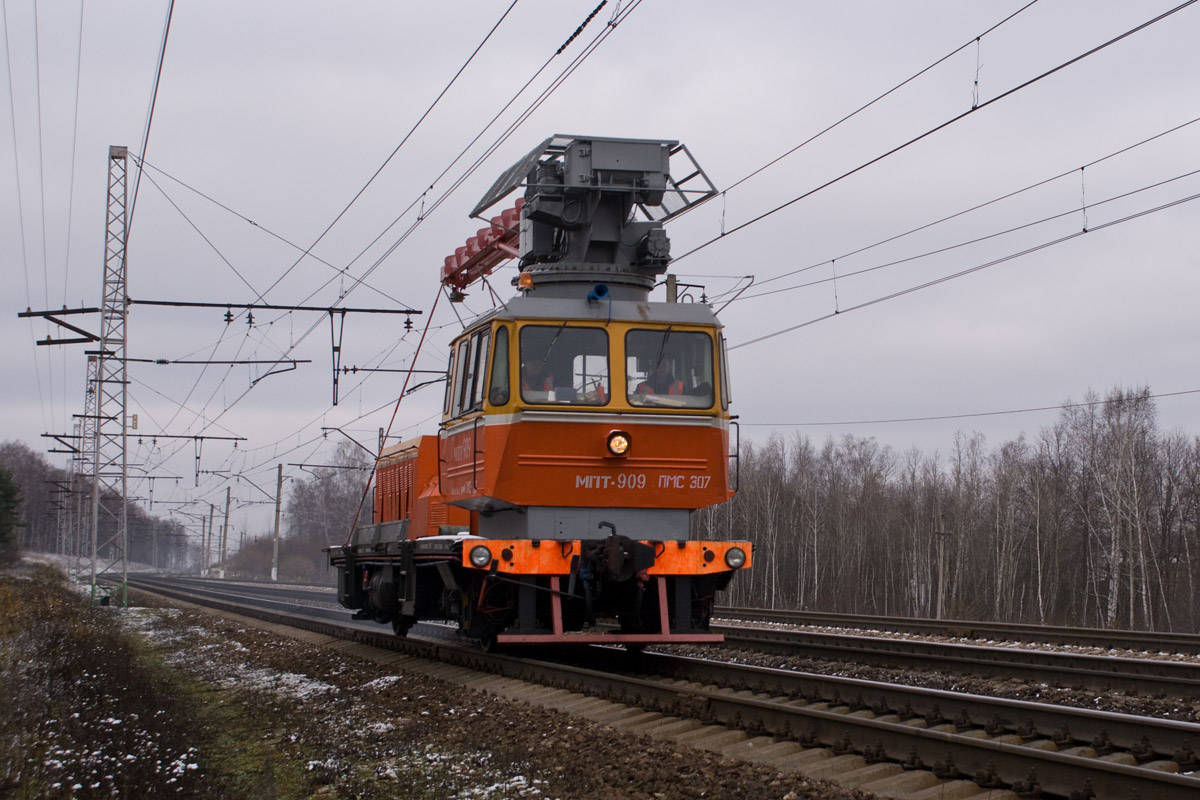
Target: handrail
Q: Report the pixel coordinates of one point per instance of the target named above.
(737, 454)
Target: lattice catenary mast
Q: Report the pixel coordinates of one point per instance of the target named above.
(110, 471)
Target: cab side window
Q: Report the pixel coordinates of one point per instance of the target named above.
(498, 392)
(726, 391)
(461, 376)
(449, 384)
(470, 370)
(479, 346)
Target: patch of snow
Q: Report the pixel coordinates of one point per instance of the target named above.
(382, 683)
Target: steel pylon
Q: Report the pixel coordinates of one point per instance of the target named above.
(109, 389)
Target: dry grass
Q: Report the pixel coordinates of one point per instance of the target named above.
(85, 712)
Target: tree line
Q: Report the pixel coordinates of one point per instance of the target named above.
(50, 509)
(1093, 522)
(41, 510)
(320, 507)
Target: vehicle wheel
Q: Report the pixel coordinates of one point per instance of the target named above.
(400, 625)
(487, 642)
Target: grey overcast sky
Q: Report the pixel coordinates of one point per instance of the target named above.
(281, 112)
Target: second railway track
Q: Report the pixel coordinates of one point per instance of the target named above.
(1101, 638)
(1104, 673)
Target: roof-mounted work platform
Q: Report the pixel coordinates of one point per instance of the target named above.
(593, 211)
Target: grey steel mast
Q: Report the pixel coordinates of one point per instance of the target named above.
(110, 471)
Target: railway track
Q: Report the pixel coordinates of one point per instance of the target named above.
(842, 728)
(1138, 641)
(1099, 673)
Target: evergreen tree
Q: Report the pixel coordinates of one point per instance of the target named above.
(10, 504)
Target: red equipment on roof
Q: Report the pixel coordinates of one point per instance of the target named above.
(485, 250)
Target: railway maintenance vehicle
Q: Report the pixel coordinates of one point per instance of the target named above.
(582, 426)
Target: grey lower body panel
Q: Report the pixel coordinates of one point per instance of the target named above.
(550, 522)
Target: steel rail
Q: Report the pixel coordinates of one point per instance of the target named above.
(765, 706)
(1149, 739)
(1145, 641)
(1096, 672)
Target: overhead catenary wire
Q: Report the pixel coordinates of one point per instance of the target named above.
(618, 17)
(212, 246)
(947, 248)
(41, 150)
(208, 420)
(21, 205)
(396, 150)
(977, 207)
(424, 214)
(162, 57)
(71, 182)
(968, 415)
(172, 401)
(968, 271)
(973, 40)
(938, 127)
(145, 164)
(320, 417)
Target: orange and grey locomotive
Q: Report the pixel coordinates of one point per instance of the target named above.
(582, 425)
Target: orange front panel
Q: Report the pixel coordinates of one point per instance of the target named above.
(523, 557)
(671, 559)
(547, 558)
(552, 463)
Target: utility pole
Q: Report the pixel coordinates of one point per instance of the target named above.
(203, 543)
(941, 535)
(224, 533)
(208, 541)
(278, 499)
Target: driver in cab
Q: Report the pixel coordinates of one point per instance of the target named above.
(534, 377)
(661, 381)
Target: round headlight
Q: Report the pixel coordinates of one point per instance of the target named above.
(735, 557)
(481, 556)
(618, 443)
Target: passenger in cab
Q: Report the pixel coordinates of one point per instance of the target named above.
(661, 381)
(534, 377)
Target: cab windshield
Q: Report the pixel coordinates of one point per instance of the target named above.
(564, 364)
(669, 368)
